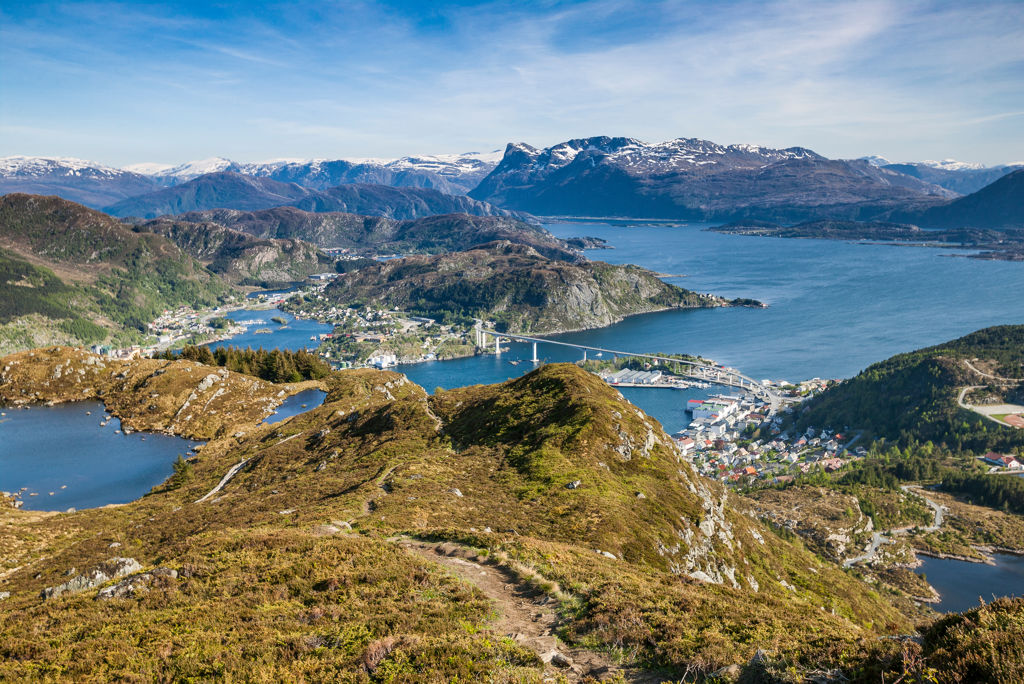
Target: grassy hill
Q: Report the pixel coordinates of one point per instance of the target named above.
(317, 559)
(73, 274)
(517, 287)
(914, 395)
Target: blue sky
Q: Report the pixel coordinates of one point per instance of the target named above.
(129, 82)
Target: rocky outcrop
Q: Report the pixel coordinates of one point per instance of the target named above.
(101, 574)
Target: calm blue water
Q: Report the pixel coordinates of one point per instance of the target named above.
(45, 447)
(295, 335)
(834, 307)
(961, 584)
(306, 400)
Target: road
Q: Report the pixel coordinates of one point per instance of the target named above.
(886, 537)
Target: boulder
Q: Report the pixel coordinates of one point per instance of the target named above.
(129, 586)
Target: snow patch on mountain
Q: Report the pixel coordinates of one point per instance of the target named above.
(21, 166)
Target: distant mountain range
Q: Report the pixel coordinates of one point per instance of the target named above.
(694, 179)
(961, 177)
(232, 190)
(684, 179)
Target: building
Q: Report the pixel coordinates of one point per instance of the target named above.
(1002, 461)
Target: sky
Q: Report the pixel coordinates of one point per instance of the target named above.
(128, 82)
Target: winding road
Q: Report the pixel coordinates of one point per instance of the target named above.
(886, 537)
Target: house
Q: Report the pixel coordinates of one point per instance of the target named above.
(1002, 461)
(686, 444)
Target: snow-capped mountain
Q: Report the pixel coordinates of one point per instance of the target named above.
(451, 173)
(78, 180)
(954, 165)
(186, 171)
(42, 167)
(689, 178)
(875, 160)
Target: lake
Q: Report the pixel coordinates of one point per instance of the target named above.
(306, 400)
(45, 447)
(960, 584)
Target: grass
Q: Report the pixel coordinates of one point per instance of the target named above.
(264, 594)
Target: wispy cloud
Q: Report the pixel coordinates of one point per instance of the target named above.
(905, 78)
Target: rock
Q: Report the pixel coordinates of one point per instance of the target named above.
(4, 595)
(456, 492)
(728, 672)
(101, 574)
(342, 524)
(113, 545)
(760, 658)
(575, 484)
(323, 464)
(135, 583)
(287, 511)
(560, 659)
(606, 554)
(325, 530)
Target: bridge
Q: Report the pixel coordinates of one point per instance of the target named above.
(702, 371)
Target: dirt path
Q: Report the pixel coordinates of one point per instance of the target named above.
(526, 615)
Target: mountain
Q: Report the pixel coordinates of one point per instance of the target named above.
(220, 189)
(454, 174)
(915, 395)
(240, 257)
(231, 190)
(73, 274)
(960, 177)
(393, 535)
(996, 206)
(694, 180)
(397, 203)
(376, 234)
(77, 180)
(517, 287)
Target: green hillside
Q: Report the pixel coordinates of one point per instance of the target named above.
(913, 396)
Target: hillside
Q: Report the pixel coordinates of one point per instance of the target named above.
(319, 558)
(696, 180)
(996, 206)
(914, 395)
(376, 234)
(240, 257)
(231, 190)
(76, 275)
(515, 286)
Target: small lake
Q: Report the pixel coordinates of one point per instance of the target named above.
(293, 335)
(306, 400)
(961, 584)
(46, 447)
